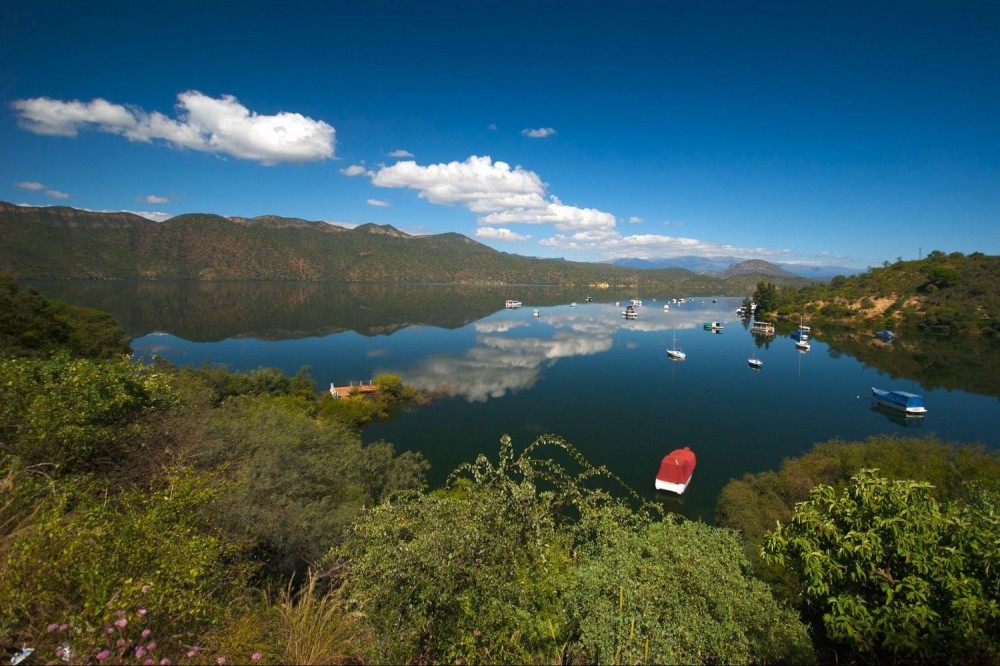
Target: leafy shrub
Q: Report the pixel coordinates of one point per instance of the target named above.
(78, 558)
(894, 574)
(77, 413)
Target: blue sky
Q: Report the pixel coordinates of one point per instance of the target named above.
(840, 133)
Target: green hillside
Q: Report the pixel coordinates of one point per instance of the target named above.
(944, 311)
(65, 243)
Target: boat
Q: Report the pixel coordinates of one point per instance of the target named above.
(534, 313)
(512, 305)
(589, 299)
(755, 362)
(910, 404)
(676, 470)
(630, 313)
(886, 336)
(803, 345)
(802, 333)
(666, 306)
(762, 328)
(675, 353)
(713, 325)
(637, 302)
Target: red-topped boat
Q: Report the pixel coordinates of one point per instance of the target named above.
(676, 470)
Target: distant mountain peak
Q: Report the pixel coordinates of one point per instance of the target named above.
(382, 229)
(754, 266)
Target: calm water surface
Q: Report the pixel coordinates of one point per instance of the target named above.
(581, 372)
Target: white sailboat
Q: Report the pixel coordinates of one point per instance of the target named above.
(755, 362)
(675, 353)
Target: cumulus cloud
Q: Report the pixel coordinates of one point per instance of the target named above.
(56, 194)
(30, 185)
(379, 203)
(610, 244)
(154, 199)
(400, 153)
(505, 235)
(203, 123)
(501, 195)
(635, 219)
(354, 170)
(539, 133)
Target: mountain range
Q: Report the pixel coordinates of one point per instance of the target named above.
(720, 265)
(58, 242)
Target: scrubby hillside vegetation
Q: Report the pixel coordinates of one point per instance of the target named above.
(149, 512)
(944, 311)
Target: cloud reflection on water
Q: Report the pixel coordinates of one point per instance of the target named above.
(498, 363)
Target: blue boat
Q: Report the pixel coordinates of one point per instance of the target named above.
(910, 404)
(885, 336)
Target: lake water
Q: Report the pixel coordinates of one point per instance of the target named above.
(581, 372)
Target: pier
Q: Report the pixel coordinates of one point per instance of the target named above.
(352, 389)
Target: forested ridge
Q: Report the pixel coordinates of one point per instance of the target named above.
(66, 243)
(194, 515)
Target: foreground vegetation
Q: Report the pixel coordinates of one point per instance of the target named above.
(153, 513)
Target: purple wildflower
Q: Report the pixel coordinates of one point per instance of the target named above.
(142, 612)
(255, 656)
(109, 630)
(145, 633)
(148, 662)
(120, 643)
(103, 654)
(151, 646)
(164, 662)
(220, 661)
(121, 622)
(52, 627)
(63, 627)
(139, 652)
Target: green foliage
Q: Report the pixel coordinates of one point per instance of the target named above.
(391, 386)
(297, 483)
(80, 414)
(754, 503)
(83, 553)
(766, 297)
(895, 574)
(524, 561)
(679, 593)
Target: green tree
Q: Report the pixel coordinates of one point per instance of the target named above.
(79, 413)
(893, 574)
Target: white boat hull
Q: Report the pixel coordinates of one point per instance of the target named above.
(678, 488)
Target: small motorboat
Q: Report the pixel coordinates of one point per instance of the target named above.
(676, 470)
(910, 404)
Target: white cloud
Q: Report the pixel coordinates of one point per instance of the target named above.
(154, 199)
(539, 133)
(610, 244)
(30, 185)
(635, 219)
(505, 235)
(154, 216)
(354, 170)
(56, 194)
(400, 153)
(206, 124)
(500, 194)
(379, 203)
